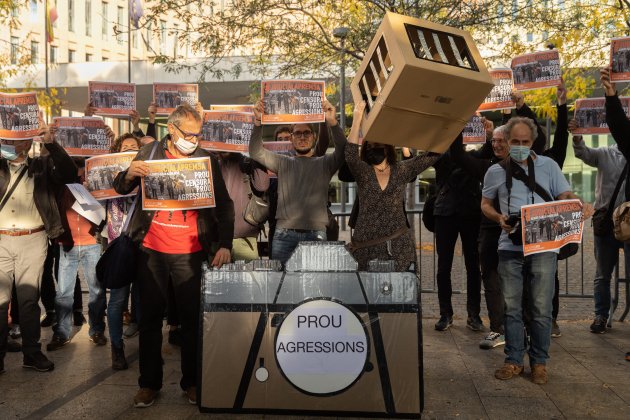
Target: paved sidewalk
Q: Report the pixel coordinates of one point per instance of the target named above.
(588, 378)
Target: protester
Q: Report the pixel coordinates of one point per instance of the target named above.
(302, 182)
(514, 268)
(173, 246)
(282, 133)
(27, 220)
(382, 231)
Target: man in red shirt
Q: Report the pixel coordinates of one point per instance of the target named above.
(173, 245)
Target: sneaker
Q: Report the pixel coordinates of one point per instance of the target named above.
(13, 346)
(444, 323)
(37, 361)
(508, 371)
(175, 337)
(191, 394)
(57, 342)
(492, 340)
(119, 362)
(539, 374)
(599, 325)
(474, 323)
(555, 329)
(145, 397)
(126, 318)
(15, 332)
(98, 338)
(131, 330)
(79, 319)
(49, 319)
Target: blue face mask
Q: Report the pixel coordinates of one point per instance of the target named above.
(8, 152)
(519, 153)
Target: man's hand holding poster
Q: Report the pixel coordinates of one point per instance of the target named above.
(168, 96)
(81, 136)
(500, 97)
(292, 101)
(549, 226)
(178, 184)
(620, 59)
(19, 116)
(590, 114)
(226, 131)
(113, 99)
(474, 132)
(536, 70)
(100, 172)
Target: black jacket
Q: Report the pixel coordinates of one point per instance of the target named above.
(214, 225)
(50, 173)
(619, 126)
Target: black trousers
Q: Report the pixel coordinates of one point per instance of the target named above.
(489, 261)
(447, 229)
(155, 271)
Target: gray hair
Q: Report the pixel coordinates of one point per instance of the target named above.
(183, 112)
(499, 130)
(520, 120)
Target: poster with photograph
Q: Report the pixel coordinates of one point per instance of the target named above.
(620, 59)
(280, 147)
(169, 96)
(112, 99)
(474, 131)
(536, 70)
(226, 131)
(178, 184)
(500, 97)
(237, 108)
(590, 114)
(81, 136)
(100, 172)
(549, 226)
(292, 101)
(19, 116)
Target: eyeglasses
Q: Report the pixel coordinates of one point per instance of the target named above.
(495, 141)
(302, 133)
(188, 135)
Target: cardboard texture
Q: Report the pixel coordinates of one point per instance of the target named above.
(415, 101)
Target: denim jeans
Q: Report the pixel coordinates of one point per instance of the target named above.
(87, 256)
(606, 255)
(115, 307)
(538, 270)
(286, 240)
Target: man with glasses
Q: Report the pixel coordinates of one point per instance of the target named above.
(173, 245)
(302, 182)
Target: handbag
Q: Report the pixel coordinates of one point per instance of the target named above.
(621, 220)
(602, 219)
(428, 216)
(256, 211)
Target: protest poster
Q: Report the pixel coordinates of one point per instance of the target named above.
(178, 184)
(81, 136)
(549, 226)
(112, 99)
(590, 115)
(500, 97)
(169, 96)
(280, 147)
(19, 116)
(474, 132)
(292, 101)
(100, 172)
(226, 131)
(237, 108)
(620, 59)
(536, 70)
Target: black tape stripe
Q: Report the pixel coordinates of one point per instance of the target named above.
(252, 357)
(381, 361)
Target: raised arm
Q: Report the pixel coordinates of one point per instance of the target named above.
(323, 140)
(257, 152)
(616, 118)
(584, 153)
(474, 166)
(339, 138)
(64, 171)
(558, 151)
(358, 168)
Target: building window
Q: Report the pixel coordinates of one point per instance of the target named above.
(33, 8)
(134, 37)
(175, 42)
(104, 20)
(71, 15)
(53, 54)
(88, 57)
(119, 37)
(561, 4)
(500, 41)
(514, 8)
(15, 42)
(88, 17)
(162, 36)
(515, 38)
(530, 37)
(545, 35)
(34, 52)
(72, 54)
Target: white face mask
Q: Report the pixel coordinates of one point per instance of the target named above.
(185, 146)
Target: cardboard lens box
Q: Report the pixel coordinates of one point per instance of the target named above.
(421, 82)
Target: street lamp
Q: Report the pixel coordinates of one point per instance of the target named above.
(341, 33)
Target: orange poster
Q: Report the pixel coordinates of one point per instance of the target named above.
(19, 116)
(100, 172)
(474, 131)
(169, 96)
(237, 108)
(620, 59)
(500, 97)
(549, 226)
(292, 101)
(178, 184)
(591, 115)
(113, 99)
(536, 70)
(81, 136)
(226, 131)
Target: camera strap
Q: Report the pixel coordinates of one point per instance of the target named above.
(514, 170)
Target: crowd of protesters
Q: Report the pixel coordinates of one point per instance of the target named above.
(44, 240)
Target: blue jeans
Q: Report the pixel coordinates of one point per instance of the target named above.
(539, 271)
(87, 256)
(606, 255)
(286, 240)
(117, 304)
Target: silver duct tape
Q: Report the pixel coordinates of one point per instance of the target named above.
(368, 92)
(425, 46)
(458, 57)
(321, 256)
(377, 77)
(438, 46)
(386, 71)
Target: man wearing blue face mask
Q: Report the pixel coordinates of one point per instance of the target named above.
(514, 268)
(28, 217)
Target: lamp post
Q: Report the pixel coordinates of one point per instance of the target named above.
(550, 46)
(341, 33)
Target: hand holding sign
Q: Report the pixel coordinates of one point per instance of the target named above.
(258, 111)
(137, 168)
(587, 211)
(329, 113)
(561, 93)
(604, 76)
(518, 98)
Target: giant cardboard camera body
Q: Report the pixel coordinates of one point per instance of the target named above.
(421, 82)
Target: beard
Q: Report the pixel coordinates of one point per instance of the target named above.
(303, 151)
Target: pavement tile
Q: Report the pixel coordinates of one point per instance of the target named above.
(502, 407)
(595, 400)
